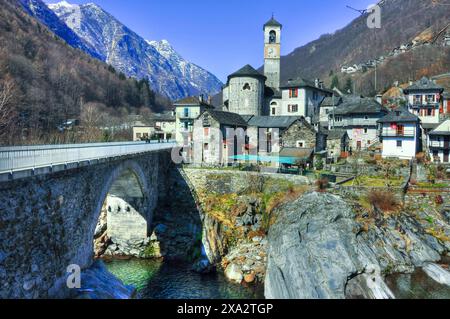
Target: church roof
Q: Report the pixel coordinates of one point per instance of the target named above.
(273, 23)
(245, 71)
(424, 84)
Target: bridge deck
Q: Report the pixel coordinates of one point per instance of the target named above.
(14, 160)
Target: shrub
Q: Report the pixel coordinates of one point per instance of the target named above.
(382, 200)
(439, 200)
(421, 158)
(322, 184)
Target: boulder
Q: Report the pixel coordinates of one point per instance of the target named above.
(234, 273)
(249, 278)
(317, 251)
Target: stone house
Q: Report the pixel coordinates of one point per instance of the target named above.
(218, 138)
(400, 134)
(327, 107)
(439, 143)
(187, 110)
(358, 116)
(300, 97)
(338, 143)
(423, 99)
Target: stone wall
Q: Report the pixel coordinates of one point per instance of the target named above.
(233, 181)
(300, 132)
(48, 222)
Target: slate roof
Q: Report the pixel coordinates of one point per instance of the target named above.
(247, 70)
(328, 101)
(354, 104)
(335, 134)
(273, 23)
(281, 122)
(192, 100)
(227, 118)
(424, 84)
(400, 114)
(302, 83)
(442, 129)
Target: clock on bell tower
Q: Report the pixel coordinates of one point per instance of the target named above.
(272, 53)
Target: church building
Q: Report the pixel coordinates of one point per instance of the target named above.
(248, 92)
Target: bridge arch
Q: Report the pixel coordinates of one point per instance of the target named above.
(124, 209)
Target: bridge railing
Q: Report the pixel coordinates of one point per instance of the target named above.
(31, 157)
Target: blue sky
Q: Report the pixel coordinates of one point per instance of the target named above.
(224, 35)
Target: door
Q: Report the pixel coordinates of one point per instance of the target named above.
(358, 145)
(447, 142)
(446, 156)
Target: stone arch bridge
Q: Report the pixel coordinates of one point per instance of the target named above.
(50, 202)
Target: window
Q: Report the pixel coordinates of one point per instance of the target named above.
(272, 37)
(429, 112)
(366, 117)
(246, 87)
(399, 143)
(300, 144)
(315, 96)
(138, 135)
(365, 131)
(293, 93)
(206, 147)
(274, 111)
(430, 98)
(292, 108)
(417, 99)
(186, 112)
(400, 130)
(186, 126)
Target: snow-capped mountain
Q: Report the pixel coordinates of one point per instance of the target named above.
(39, 10)
(116, 44)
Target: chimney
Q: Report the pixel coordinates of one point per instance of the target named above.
(317, 83)
(200, 98)
(209, 100)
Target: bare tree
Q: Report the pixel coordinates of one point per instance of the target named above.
(91, 119)
(8, 95)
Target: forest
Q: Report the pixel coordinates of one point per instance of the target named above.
(44, 83)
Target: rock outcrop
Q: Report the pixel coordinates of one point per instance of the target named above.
(317, 249)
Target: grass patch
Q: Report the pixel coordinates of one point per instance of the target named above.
(376, 181)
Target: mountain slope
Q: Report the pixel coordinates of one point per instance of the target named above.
(129, 53)
(39, 10)
(53, 82)
(402, 20)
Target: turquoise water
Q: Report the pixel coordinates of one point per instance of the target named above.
(163, 280)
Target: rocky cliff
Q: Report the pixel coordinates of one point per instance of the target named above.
(320, 247)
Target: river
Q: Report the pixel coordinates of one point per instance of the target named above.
(175, 280)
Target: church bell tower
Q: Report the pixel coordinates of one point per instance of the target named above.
(272, 53)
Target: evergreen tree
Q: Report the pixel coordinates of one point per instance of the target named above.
(348, 88)
(335, 82)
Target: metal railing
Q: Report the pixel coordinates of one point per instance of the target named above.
(31, 157)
